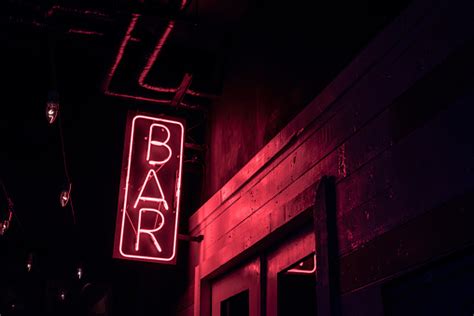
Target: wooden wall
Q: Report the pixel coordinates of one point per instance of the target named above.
(279, 57)
(394, 129)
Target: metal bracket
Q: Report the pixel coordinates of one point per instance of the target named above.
(198, 238)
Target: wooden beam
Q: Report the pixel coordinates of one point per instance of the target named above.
(327, 271)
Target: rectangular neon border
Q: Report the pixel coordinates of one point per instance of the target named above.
(178, 190)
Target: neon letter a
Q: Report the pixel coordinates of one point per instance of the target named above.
(152, 175)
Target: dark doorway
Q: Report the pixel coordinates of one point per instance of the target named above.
(297, 289)
(237, 305)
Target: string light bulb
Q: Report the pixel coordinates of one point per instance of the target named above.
(79, 273)
(52, 110)
(29, 262)
(65, 196)
(62, 295)
(52, 107)
(5, 224)
(3, 228)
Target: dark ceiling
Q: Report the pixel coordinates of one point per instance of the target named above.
(70, 47)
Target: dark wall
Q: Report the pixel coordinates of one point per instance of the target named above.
(279, 58)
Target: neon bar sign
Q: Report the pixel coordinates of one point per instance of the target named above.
(147, 220)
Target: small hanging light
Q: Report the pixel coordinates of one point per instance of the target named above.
(29, 262)
(5, 224)
(3, 228)
(62, 295)
(52, 110)
(52, 107)
(79, 273)
(65, 196)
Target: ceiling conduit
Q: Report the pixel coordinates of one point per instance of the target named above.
(118, 59)
(150, 62)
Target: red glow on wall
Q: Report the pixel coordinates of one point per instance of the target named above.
(147, 221)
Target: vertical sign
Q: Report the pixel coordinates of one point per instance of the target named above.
(147, 219)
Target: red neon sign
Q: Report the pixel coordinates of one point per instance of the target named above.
(147, 220)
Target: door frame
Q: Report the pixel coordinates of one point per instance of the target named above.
(245, 277)
(288, 253)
